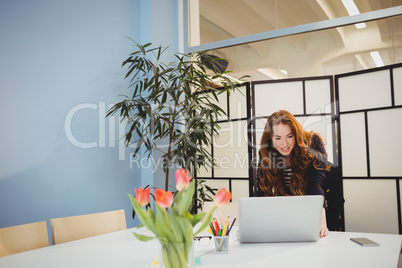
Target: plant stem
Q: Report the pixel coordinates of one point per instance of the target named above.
(170, 145)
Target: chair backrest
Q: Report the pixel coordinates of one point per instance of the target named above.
(23, 237)
(77, 227)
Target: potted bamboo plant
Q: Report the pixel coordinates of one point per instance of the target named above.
(175, 102)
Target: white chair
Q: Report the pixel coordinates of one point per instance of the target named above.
(23, 237)
(77, 227)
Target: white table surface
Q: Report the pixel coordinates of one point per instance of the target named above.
(122, 249)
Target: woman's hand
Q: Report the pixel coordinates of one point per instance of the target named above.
(323, 228)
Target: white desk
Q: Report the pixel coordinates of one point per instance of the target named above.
(122, 249)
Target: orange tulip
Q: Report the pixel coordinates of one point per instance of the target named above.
(182, 179)
(142, 196)
(163, 198)
(222, 197)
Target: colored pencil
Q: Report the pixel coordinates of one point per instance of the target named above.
(231, 226)
(225, 225)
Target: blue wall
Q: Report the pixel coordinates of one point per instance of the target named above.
(60, 69)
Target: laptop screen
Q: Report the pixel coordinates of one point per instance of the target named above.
(280, 219)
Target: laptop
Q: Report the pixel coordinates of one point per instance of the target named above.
(280, 219)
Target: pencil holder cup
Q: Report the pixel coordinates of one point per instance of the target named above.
(221, 244)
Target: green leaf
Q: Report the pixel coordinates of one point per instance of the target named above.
(143, 238)
(207, 219)
(187, 198)
(151, 215)
(177, 231)
(187, 228)
(162, 224)
(197, 217)
(189, 216)
(142, 215)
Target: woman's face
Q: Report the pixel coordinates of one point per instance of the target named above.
(283, 139)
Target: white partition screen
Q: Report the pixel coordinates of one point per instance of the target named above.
(370, 117)
(230, 150)
(358, 114)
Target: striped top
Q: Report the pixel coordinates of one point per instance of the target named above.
(287, 173)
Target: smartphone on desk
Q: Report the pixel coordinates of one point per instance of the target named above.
(365, 242)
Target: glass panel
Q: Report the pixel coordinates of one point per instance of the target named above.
(238, 104)
(212, 20)
(353, 141)
(259, 130)
(272, 97)
(385, 151)
(326, 52)
(398, 85)
(354, 91)
(205, 171)
(222, 103)
(363, 213)
(318, 96)
(239, 189)
(231, 150)
(217, 184)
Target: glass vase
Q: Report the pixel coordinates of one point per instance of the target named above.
(177, 255)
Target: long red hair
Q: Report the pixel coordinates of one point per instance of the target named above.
(272, 162)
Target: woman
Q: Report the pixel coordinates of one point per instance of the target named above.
(292, 161)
